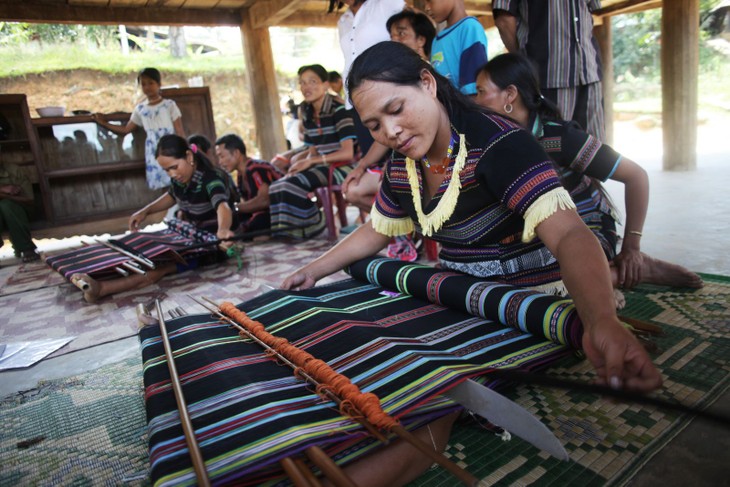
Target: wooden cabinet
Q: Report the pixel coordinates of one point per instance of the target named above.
(84, 172)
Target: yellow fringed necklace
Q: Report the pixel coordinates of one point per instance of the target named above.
(445, 208)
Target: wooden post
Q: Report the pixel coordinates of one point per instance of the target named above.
(602, 32)
(263, 86)
(680, 66)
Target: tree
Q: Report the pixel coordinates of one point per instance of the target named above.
(178, 47)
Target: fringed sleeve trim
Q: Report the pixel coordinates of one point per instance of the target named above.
(391, 227)
(545, 206)
(556, 288)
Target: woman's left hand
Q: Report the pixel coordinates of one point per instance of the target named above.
(223, 234)
(629, 264)
(619, 359)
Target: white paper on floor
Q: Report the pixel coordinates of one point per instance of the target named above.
(24, 354)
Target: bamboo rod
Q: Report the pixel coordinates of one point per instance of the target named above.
(141, 260)
(133, 268)
(121, 271)
(642, 325)
(465, 477)
(328, 467)
(197, 458)
(294, 472)
(313, 480)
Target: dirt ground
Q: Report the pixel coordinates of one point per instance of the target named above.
(102, 92)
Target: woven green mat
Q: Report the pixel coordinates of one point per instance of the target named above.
(90, 429)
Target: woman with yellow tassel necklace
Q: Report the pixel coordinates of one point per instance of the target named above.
(497, 209)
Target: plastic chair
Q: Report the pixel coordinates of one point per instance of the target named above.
(431, 247)
(329, 194)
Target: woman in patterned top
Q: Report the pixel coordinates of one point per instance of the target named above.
(329, 137)
(205, 195)
(485, 189)
(158, 116)
(508, 84)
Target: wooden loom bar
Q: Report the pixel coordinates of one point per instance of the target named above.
(328, 467)
(313, 480)
(294, 472)
(197, 458)
(465, 477)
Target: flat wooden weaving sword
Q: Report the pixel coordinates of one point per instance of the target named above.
(507, 414)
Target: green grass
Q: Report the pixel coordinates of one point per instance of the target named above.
(30, 59)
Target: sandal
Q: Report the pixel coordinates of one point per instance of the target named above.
(29, 256)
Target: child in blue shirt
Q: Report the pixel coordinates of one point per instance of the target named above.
(460, 49)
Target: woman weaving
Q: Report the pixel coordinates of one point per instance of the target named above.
(484, 188)
(205, 195)
(487, 218)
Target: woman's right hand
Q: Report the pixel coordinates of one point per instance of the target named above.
(298, 281)
(136, 219)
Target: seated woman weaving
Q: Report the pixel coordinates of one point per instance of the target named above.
(205, 196)
(485, 189)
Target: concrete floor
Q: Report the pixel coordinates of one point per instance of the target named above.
(688, 224)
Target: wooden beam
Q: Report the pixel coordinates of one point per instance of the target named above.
(265, 14)
(602, 34)
(309, 20)
(680, 68)
(627, 7)
(262, 82)
(57, 13)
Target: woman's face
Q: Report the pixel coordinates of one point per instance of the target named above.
(181, 170)
(404, 118)
(150, 87)
(312, 86)
(490, 95)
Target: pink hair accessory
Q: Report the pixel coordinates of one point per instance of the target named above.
(194, 148)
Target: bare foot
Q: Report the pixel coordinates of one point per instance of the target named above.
(88, 285)
(663, 273)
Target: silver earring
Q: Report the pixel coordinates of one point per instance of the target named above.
(508, 108)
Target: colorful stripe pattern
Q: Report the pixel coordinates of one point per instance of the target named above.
(249, 412)
(99, 261)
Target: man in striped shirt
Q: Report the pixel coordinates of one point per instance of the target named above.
(558, 36)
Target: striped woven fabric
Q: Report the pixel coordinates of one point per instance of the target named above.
(249, 412)
(99, 261)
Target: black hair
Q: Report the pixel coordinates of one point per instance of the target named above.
(232, 142)
(392, 62)
(201, 142)
(333, 76)
(518, 70)
(172, 145)
(420, 23)
(317, 69)
(151, 73)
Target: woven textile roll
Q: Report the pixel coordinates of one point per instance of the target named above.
(249, 412)
(99, 261)
(553, 317)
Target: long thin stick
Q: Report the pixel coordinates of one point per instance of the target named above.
(328, 467)
(294, 472)
(313, 480)
(197, 458)
(141, 260)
